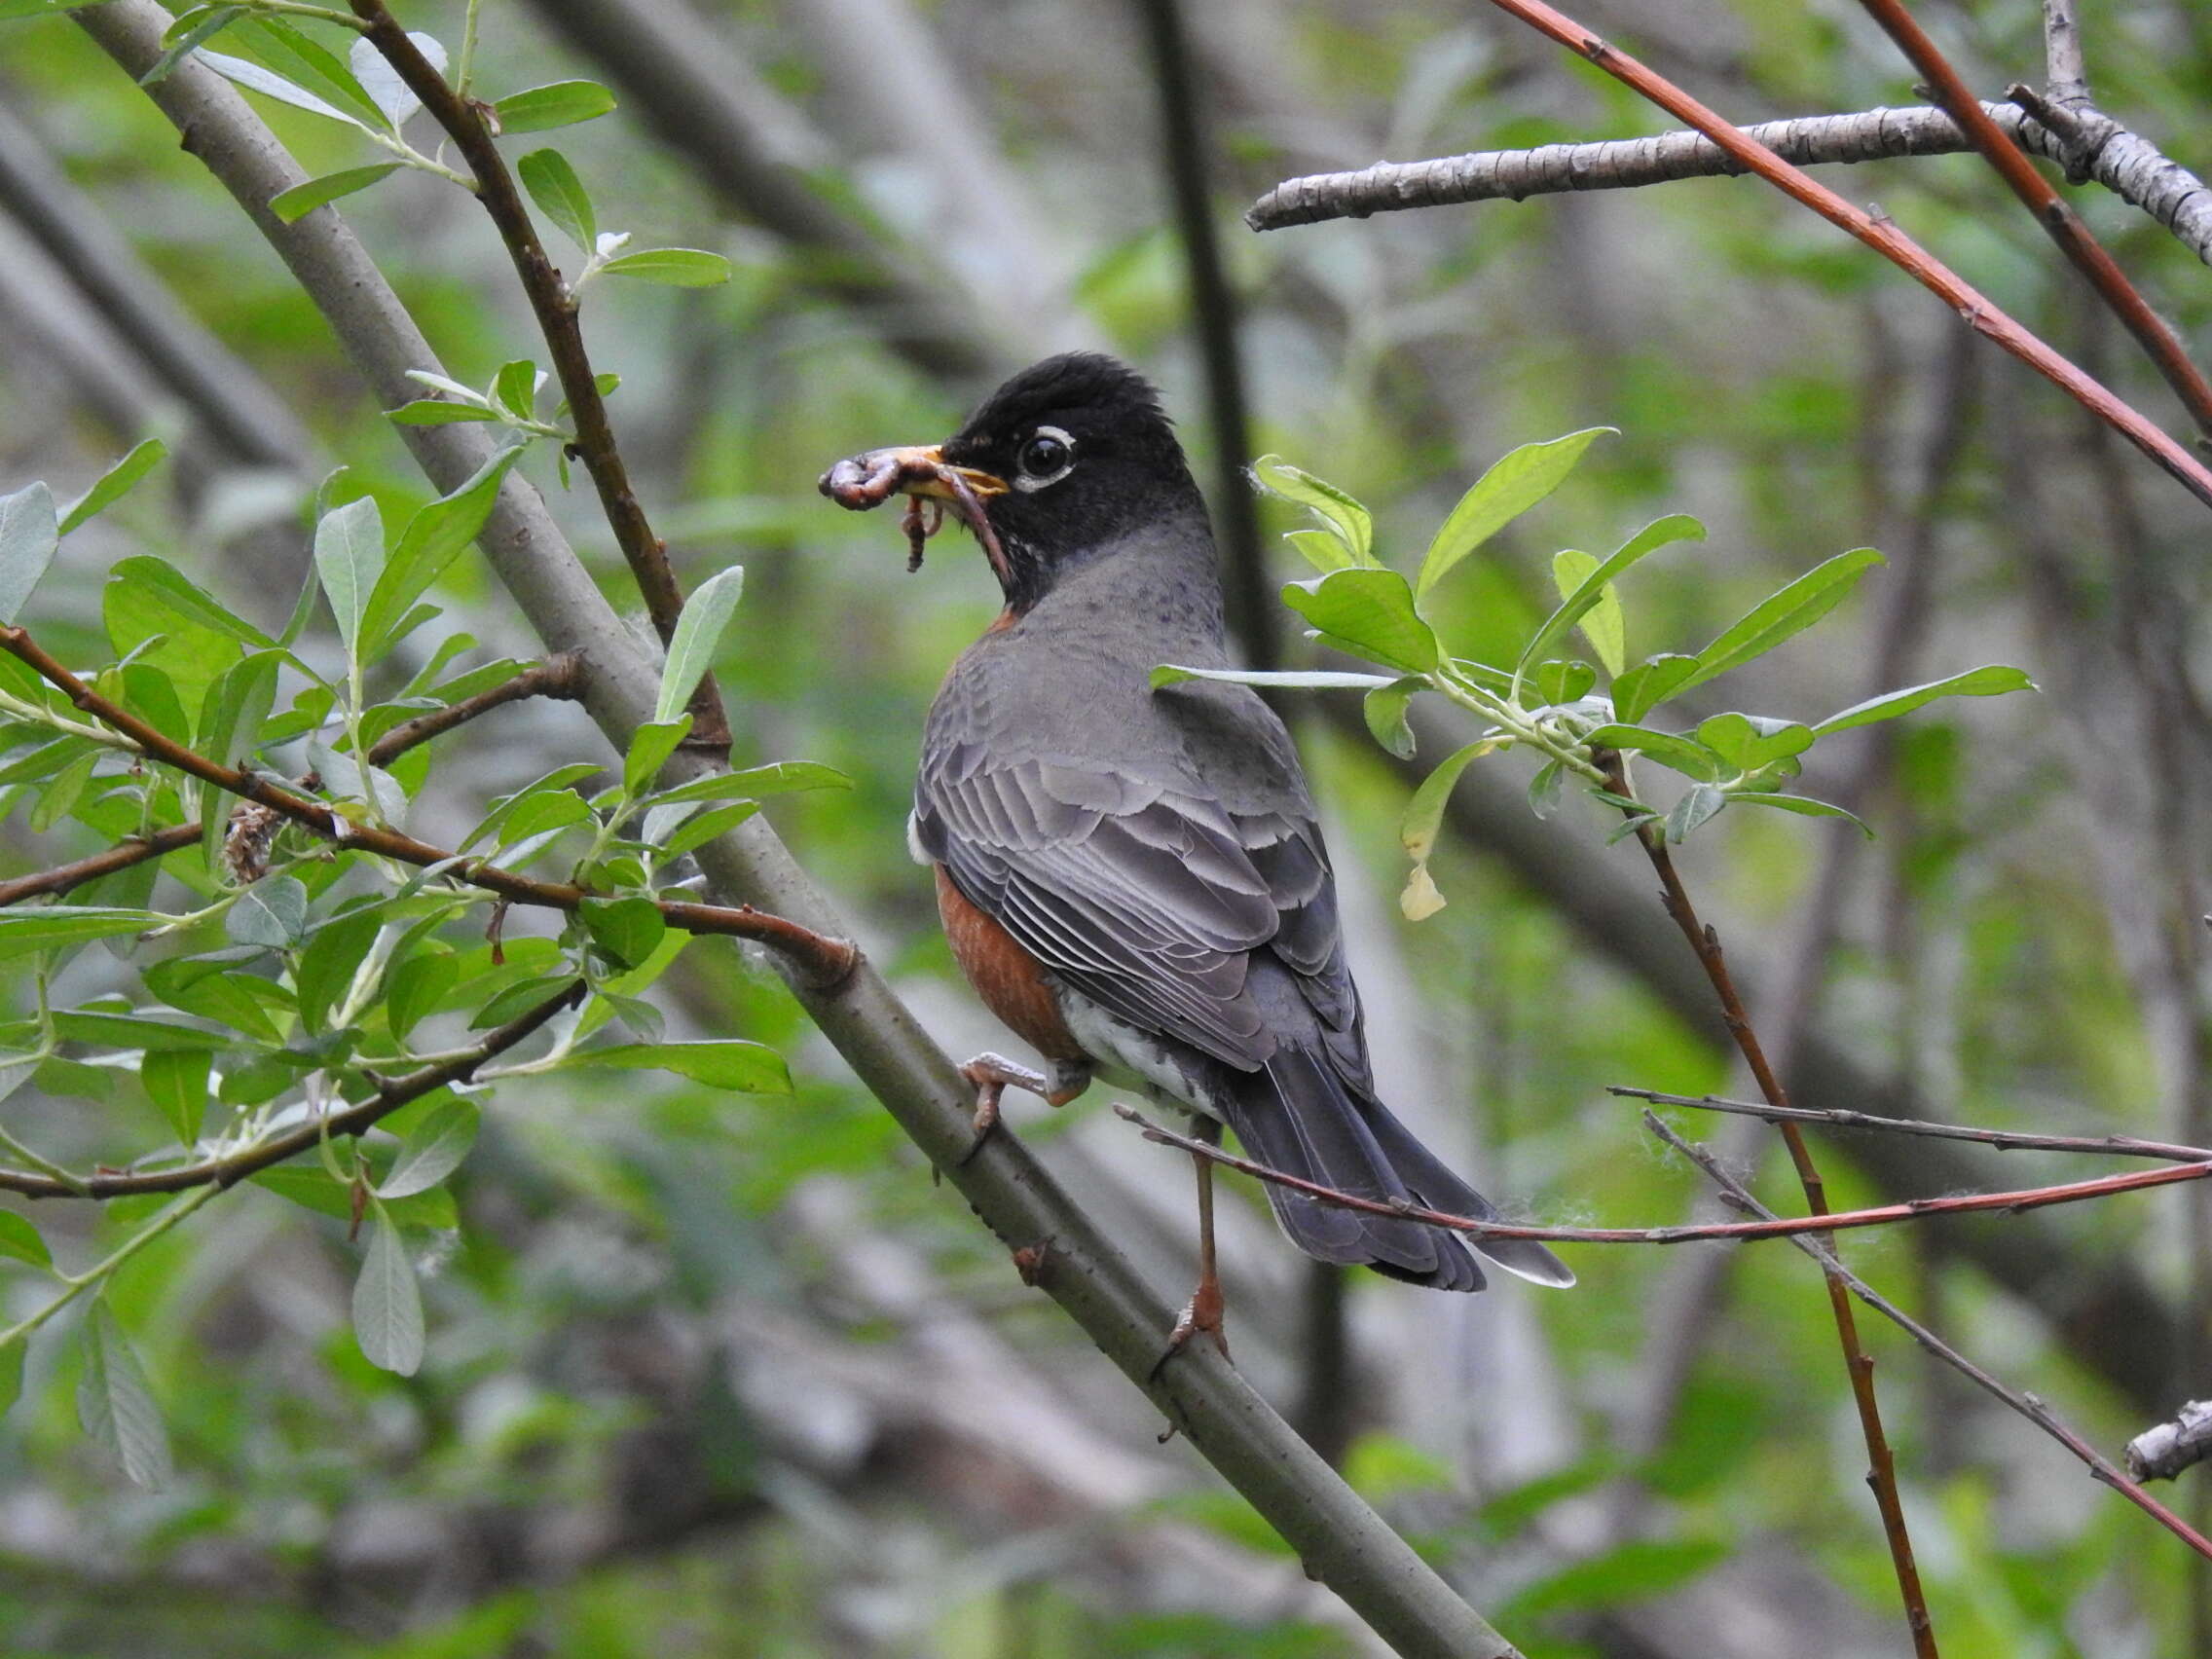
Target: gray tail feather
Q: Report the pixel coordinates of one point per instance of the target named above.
(1298, 1116)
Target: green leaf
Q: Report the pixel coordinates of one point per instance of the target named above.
(559, 103)
(748, 1068)
(1675, 527)
(1515, 482)
(650, 746)
(1774, 620)
(116, 1406)
(1386, 709)
(1350, 523)
(1323, 549)
(699, 632)
(1684, 755)
(417, 987)
(1649, 683)
(349, 558)
(294, 204)
(1605, 625)
(754, 783)
(1697, 805)
(47, 927)
(438, 412)
(1368, 611)
(176, 1081)
(1989, 682)
(514, 388)
(20, 1240)
(1748, 742)
(327, 966)
(1544, 788)
(111, 486)
(309, 1186)
(627, 928)
(1424, 815)
(1301, 678)
(190, 30)
(698, 831)
(1635, 1571)
(254, 78)
(28, 535)
(1563, 681)
(670, 266)
(166, 589)
(306, 62)
(1804, 806)
(560, 778)
(432, 1152)
(394, 100)
(272, 913)
(432, 539)
(560, 196)
(387, 1305)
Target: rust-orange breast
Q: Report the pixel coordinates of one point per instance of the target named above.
(1009, 980)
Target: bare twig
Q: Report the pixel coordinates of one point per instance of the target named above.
(2107, 152)
(560, 676)
(2027, 1405)
(233, 1168)
(825, 960)
(2052, 211)
(557, 318)
(121, 856)
(2005, 1140)
(2161, 1454)
(1880, 234)
(2065, 77)
(1687, 1232)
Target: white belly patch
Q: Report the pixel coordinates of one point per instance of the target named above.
(1130, 1058)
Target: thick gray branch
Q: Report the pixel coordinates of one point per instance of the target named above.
(2161, 1454)
(2130, 168)
(1342, 1540)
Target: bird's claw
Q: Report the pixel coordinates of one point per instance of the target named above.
(1203, 1312)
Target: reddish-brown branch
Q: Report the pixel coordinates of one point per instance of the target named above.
(2027, 1405)
(556, 677)
(1879, 234)
(2005, 1140)
(1882, 1473)
(825, 961)
(560, 676)
(1699, 1231)
(463, 120)
(2052, 211)
(389, 1097)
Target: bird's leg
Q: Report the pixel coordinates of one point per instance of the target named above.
(1204, 1312)
(994, 1074)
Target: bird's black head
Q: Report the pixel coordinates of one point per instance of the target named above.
(1068, 458)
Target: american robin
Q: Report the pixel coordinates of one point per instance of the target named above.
(1132, 879)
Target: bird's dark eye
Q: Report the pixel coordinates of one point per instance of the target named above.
(1045, 456)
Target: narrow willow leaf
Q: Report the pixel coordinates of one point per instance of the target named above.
(21, 1240)
(1747, 741)
(1697, 805)
(380, 81)
(198, 27)
(1990, 682)
(272, 913)
(514, 388)
(629, 929)
(50, 927)
(432, 1152)
(115, 1405)
(560, 104)
(1564, 679)
(387, 1305)
(437, 412)
(747, 1068)
(1424, 815)
(650, 746)
(28, 533)
(1779, 615)
(162, 586)
(1324, 549)
(1370, 612)
(1515, 482)
(699, 632)
(1545, 786)
(1352, 523)
(1299, 679)
(175, 1079)
(1675, 527)
(427, 547)
(1684, 755)
(698, 831)
(1649, 683)
(1605, 624)
(254, 78)
(672, 267)
(778, 777)
(332, 957)
(1385, 709)
(416, 986)
(294, 204)
(560, 196)
(306, 62)
(113, 485)
(348, 557)
(1805, 807)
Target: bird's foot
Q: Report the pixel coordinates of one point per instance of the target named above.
(994, 1075)
(1203, 1312)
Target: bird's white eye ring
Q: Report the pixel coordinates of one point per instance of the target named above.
(1047, 456)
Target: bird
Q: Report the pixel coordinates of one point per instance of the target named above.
(1132, 880)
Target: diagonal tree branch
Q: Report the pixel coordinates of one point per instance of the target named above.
(1339, 1538)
